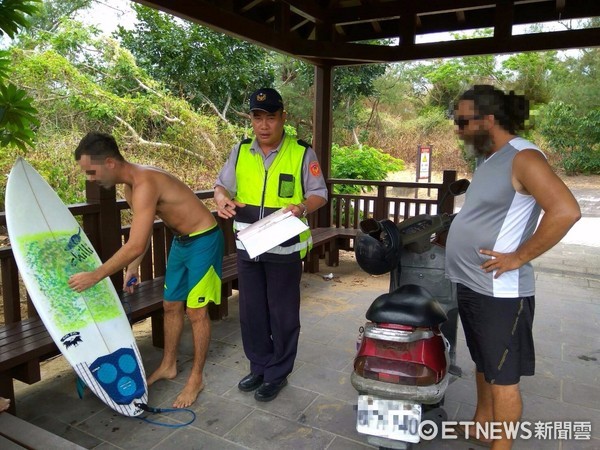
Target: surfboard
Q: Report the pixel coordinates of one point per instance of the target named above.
(90, 328)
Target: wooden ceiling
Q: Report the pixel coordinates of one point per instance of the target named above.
(337, 32)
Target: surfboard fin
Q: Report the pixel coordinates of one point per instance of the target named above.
(80, 387)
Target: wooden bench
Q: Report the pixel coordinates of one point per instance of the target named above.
(24, 344)
(16, 433)
(327, 242)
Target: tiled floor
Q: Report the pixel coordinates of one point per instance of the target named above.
(316, 410)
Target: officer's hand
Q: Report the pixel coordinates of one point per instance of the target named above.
(296, 210)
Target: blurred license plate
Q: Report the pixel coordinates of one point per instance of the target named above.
(393, 419)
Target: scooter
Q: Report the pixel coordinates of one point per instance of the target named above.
(407, 349)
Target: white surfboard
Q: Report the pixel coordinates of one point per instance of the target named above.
(90, 328)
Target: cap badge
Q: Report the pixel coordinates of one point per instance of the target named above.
(261, 97)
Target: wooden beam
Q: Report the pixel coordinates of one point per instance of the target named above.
(282, 19)
(353, 54)
(504, 17)
(330, 46)
(250, 5)
(229, 22)
(308, 9)
(523, 14)
(393, 10)
(408, 28)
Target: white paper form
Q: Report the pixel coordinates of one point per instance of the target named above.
(270, 231)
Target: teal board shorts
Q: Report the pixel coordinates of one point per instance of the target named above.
(194, 268)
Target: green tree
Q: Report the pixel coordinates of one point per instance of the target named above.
(351, 85)
(439, 83)
(50, 13)
(530, 73)
(204, 67)
(83, 81)
(576, 80)
(573, 135)
(17, 114)
(16, 15)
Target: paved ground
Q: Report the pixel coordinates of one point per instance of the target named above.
(316, 410)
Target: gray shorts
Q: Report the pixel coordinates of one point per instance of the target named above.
(499, 334)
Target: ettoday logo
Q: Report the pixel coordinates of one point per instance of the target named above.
(576, 430)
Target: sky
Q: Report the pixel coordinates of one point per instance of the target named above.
(108, 14)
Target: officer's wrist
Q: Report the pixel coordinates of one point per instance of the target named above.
(302, 206)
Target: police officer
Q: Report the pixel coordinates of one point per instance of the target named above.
(262, 175)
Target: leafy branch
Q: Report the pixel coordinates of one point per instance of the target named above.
(17, 114)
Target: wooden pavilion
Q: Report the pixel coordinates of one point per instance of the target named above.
(330, 33)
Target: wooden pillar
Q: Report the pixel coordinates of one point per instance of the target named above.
(381, 211)
(443, 194)
(105, 232)
(322, 131)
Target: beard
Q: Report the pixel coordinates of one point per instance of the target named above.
(479, 144)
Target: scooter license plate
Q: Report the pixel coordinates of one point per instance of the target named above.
(393, 419)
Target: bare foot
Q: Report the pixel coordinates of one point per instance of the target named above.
(190, 392)
(4, 404)
(162, 373)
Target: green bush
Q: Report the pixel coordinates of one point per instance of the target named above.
(361, 163)
(586, 161)
(574, 137)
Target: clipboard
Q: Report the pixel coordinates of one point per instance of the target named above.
(270, 231)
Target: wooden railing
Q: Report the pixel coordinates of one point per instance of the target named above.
(392, 200)
(101, 221)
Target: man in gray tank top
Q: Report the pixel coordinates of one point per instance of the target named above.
(491, 244)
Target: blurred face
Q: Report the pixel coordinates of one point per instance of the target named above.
(268, 128)
(473, 129)
(98, 170)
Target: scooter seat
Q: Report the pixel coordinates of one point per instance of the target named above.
(410, 305)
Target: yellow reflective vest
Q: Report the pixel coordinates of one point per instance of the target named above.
(266, 191)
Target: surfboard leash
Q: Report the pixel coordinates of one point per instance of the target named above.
(149, 409)
(152, 410)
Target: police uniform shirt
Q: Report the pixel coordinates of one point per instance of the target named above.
(313, 181)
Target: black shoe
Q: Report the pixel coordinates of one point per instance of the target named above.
(268, 391)
(250, 382)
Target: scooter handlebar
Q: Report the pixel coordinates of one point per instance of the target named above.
(417, 231)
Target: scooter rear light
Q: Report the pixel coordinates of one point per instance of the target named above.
(393, 371)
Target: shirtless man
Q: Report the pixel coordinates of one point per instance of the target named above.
(194, 265)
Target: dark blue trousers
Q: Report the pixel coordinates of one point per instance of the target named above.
(270, 316)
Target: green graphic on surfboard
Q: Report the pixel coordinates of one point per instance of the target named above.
(53, 258)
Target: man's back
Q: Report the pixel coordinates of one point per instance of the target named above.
(176, 204)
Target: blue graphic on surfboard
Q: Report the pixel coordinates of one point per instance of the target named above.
(90, 328)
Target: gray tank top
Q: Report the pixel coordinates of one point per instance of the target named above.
(495, 217)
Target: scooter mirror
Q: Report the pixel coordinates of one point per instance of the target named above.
(455, 189)
(459, 187)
